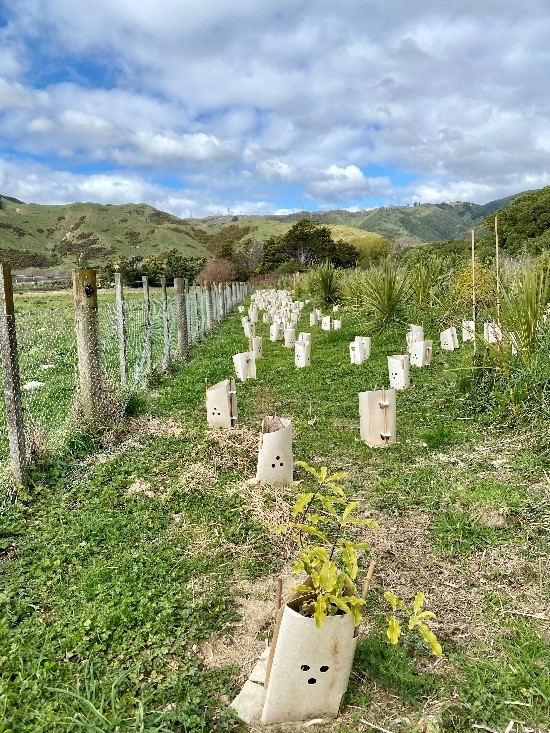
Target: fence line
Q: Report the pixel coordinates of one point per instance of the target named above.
(84, 357)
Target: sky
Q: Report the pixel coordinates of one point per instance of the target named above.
(200, 107)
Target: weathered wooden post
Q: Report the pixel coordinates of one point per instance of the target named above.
(12, 384)
(148, 325)
(166, 326)
(209, 313)
(121, 329)
(90, 391)
(181, 317)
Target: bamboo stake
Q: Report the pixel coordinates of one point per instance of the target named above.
(279, 595)
(366, 584)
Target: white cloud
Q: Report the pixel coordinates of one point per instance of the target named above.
(275, 170)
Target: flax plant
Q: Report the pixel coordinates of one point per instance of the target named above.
(522, 305)
(387, 289)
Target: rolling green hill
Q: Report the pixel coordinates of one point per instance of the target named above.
(32, 235)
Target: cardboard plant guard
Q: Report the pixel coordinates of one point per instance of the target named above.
(308, 668)
(275, 460)
(221, 404)
(377, 417)
(398, 368)
(245, 365)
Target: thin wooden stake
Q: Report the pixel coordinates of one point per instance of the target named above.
(148, 324)
(279, 595)
(497, 267)
(121, 329)
(368, 579)
(473, 286)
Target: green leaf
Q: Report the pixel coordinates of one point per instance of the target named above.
(348, 510)
(328, 576)
(418, 602)
(298, 567)
(427, 614)
(315, 578)
(349, 557)
(335, 489)
(301, 503)
(340, 602)
(357, 615)
(320, 612)
(394, 601)
(301, 589)
(431, 639)
(311, 530)
(338, 476)
(308, 468)
(394, 629)
(365, 522)
(323, 474)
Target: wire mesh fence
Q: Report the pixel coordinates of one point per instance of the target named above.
(48, 352)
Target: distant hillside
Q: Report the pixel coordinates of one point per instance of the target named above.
(32, 235)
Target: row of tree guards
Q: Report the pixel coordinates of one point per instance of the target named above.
(219, 299)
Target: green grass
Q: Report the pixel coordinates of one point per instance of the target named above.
(106, 589)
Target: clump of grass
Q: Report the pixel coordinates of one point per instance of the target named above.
(523, 304)
(459, 533)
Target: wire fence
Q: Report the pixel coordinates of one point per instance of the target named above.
(45, 328)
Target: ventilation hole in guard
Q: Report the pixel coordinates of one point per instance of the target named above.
(324, 668)
(304, 667)
(311, 681)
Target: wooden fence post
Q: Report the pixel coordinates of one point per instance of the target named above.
(12, 384)
(166, 358)
(181, 317)
(209, 309)
(148, 325)
(90, 393)
(121, 329)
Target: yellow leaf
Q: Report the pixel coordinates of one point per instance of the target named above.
(418, 602)
(431, 639)
(301, 503)
(323, 474)
(348, 510)
(320, 612)
(394, 629)
(338, 476)
(328, 576)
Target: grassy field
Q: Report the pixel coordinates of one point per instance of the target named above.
(138, 582)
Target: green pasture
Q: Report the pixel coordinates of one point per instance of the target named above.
(126, 570)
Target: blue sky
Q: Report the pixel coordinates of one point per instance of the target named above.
(267, 107)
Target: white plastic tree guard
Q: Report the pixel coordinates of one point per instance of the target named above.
(326, 323)
(304, 336)
(266, 318)
(492, 333)
(449, 339)
(241, 309)
(319, 313)
(275, 460)
(221, 404)
(249, 329)
(398, 368)
(290, 337)
(421, 353)
(308, 668)
(302, 354)
(257, 347)
(245, 365)
(335, 308)
(414, 334)
(336, 324)
(253, 315)
(276, 331)
(377, 417)
(468, 331)
(359, 349)
(313, 320)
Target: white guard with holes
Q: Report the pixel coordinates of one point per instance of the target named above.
(302, 354)
(266, 318)
(336, 324)
(302, 336)
(468, 330)
(290, 337)
(249, 329)
(326, 323)
(398, 368)
(245, 365)
(253, 315)
(257, 347)
(421, 353)
(313, 320)
(275, 461)
(221, 404)
(309, 668)
(377, 417)
(449, 339)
